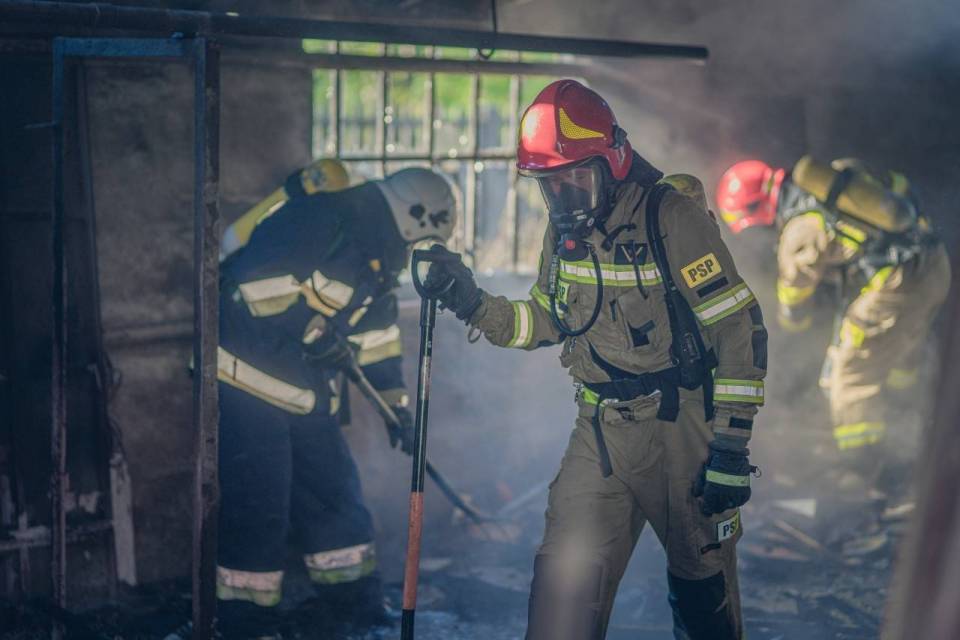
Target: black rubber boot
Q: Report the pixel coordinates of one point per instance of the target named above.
(359, 603)
(700, 609)
(241, 620)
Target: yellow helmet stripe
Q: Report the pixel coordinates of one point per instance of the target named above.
(572, 130)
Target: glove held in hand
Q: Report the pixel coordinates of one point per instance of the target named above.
(460, 292)
(402, 435)
(724, 482)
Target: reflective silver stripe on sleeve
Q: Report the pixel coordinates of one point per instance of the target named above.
(733, 390)
(725, 304)
(270, 296)
(333, 292)
(522, 325)
(377, 345)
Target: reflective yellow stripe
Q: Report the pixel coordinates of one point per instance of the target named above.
(852, 334)
(899, 183)
(727, 479)
(331, 292)
(858, 434)
(270, 296)
(849, 243)
(522, 325)
(540, 297)
(574, 131)
(902, 378)
(614, 275)
(792, 296)
(734, 390)
(377, 345)
(260, 587)
(855, 234)
(878, 280)
(245, 377)
(588, 396)
(341, 565)
(725, 304)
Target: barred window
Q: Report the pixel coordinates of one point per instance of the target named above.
(463, 124)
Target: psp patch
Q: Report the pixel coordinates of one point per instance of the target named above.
(702, 270)
(729, 527)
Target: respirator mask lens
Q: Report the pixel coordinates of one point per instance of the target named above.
(572, 195)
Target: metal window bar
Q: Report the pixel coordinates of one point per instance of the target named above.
(470, 230)
(206, 65)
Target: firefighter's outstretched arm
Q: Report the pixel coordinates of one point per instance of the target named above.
(732, 323)
(802, 260)
(520, 324)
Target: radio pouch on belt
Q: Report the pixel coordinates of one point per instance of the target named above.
(687, 350)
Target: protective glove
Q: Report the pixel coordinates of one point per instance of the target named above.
(455, 281)
(330, 350)
(402, 434)
(724, 482)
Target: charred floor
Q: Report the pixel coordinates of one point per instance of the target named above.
(143, 148)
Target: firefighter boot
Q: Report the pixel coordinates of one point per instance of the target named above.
(246, 620)
(701, 610)
(359, 603)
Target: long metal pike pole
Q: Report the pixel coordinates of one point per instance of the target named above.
(411, 573)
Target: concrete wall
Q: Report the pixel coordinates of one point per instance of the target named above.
(142, 137)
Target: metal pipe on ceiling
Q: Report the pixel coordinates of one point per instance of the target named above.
(190, 23)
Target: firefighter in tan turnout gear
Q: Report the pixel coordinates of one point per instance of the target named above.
(861, 231)
(667, 349)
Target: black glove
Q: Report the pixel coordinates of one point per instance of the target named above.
(724, 482)
(330, 350)
(455, 282)
(403, 434)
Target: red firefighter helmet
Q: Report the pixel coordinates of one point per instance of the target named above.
(747, 194)
(567, 124)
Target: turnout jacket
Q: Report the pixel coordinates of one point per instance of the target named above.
(319, 255)
(632, 332)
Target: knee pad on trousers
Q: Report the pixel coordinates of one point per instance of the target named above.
(565, 600)
(700, 609)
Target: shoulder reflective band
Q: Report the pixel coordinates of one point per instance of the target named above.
(259, 587)
(338, 566)
(540, 297)
(792, 296)
(377, 345)
(733, 390)
(728, 480)
(522, 325)
(727, 303)
(859, 434)
(614, 275)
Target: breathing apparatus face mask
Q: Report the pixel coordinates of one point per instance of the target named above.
(576, 198)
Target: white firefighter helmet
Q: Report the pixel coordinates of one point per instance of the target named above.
(424, 203)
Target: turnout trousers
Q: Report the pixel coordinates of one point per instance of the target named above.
(282, 473)
(593, 523)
